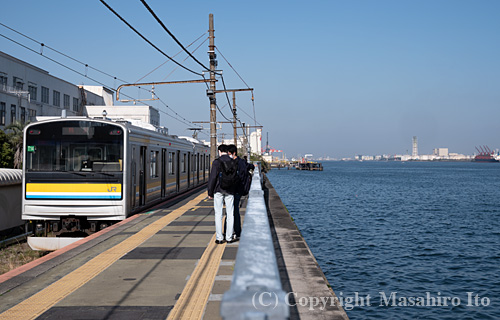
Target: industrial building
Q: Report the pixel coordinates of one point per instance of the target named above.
(27, 91)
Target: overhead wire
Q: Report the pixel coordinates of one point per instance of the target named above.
(57, 62)
(149, 42)
(163, 63)
(233, 109)
(61, 53)
(232, 67)
(65, 66)
(189, 53)
(253, 100)
(171, 34)
(154, 46)
(171, 72)
(85, 75)
(146, 39)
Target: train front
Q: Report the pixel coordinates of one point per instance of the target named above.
(73, 175)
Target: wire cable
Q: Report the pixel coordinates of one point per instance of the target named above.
(171, 35)
(146, 39)
(171, 72)
(233, 109)
(96, 81)
(163, 63)
(232, 67)
(57, 62)
(61, 53)
(253, 100)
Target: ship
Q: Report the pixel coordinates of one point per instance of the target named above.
(485, 155)
(310, 165)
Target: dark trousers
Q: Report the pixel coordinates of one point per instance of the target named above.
(237, 217)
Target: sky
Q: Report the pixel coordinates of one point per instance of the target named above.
(330, 78)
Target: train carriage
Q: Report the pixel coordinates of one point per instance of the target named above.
(82, 174)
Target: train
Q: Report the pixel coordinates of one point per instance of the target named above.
(81, 175)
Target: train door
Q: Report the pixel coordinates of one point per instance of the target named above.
(163, 173)
(142, 176)
(178, 171)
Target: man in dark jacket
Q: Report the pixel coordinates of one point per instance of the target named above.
(220, 197)
(243, 168)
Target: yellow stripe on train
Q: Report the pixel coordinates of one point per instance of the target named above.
(74, 187)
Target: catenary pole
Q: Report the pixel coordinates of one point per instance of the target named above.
(234, 119)
(211, 92)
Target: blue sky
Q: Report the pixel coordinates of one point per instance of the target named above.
(334, 78)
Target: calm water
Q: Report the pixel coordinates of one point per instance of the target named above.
(424, 230)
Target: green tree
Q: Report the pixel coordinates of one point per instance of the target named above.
(16, 140)
(6, 153)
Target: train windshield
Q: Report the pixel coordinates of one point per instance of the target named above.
(74, 146)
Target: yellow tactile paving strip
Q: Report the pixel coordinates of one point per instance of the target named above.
(40, 302)
(194, 297)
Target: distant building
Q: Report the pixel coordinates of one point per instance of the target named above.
(27, 91)
(141, 113)
(441, 152)
(415, 147)
(256, 142)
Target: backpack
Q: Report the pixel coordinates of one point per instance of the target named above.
(228, 177)
(245, 184)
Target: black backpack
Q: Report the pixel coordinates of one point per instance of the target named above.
(228, 177)
(245, 184)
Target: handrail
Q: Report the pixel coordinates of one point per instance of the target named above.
(256, 291)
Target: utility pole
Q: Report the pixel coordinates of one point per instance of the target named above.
(211, 92)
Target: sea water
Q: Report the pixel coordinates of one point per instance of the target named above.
(420, 240)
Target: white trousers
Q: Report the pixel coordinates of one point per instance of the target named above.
(219, 200)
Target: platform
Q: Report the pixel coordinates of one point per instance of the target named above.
(162, 264)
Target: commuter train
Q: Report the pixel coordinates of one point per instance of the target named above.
(82, 174)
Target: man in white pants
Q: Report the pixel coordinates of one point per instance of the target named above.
(221, 196)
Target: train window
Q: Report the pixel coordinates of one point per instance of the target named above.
(183, 162)
(171, 163)
(154, 167)
(73, 146)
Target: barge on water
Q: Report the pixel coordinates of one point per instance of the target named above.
(311, 166)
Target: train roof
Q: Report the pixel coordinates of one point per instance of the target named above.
(132, 127)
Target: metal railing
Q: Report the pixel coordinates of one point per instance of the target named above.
(256, 291)
(13, 90)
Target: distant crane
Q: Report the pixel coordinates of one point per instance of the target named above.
(485, 151)
(270, 149)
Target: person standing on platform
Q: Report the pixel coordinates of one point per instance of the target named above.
(221, 188)
(243, 176)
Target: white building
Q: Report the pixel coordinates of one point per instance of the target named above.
(254, 137)
(27, 91)
(256, 142)
(139, 113)
(441, 152)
